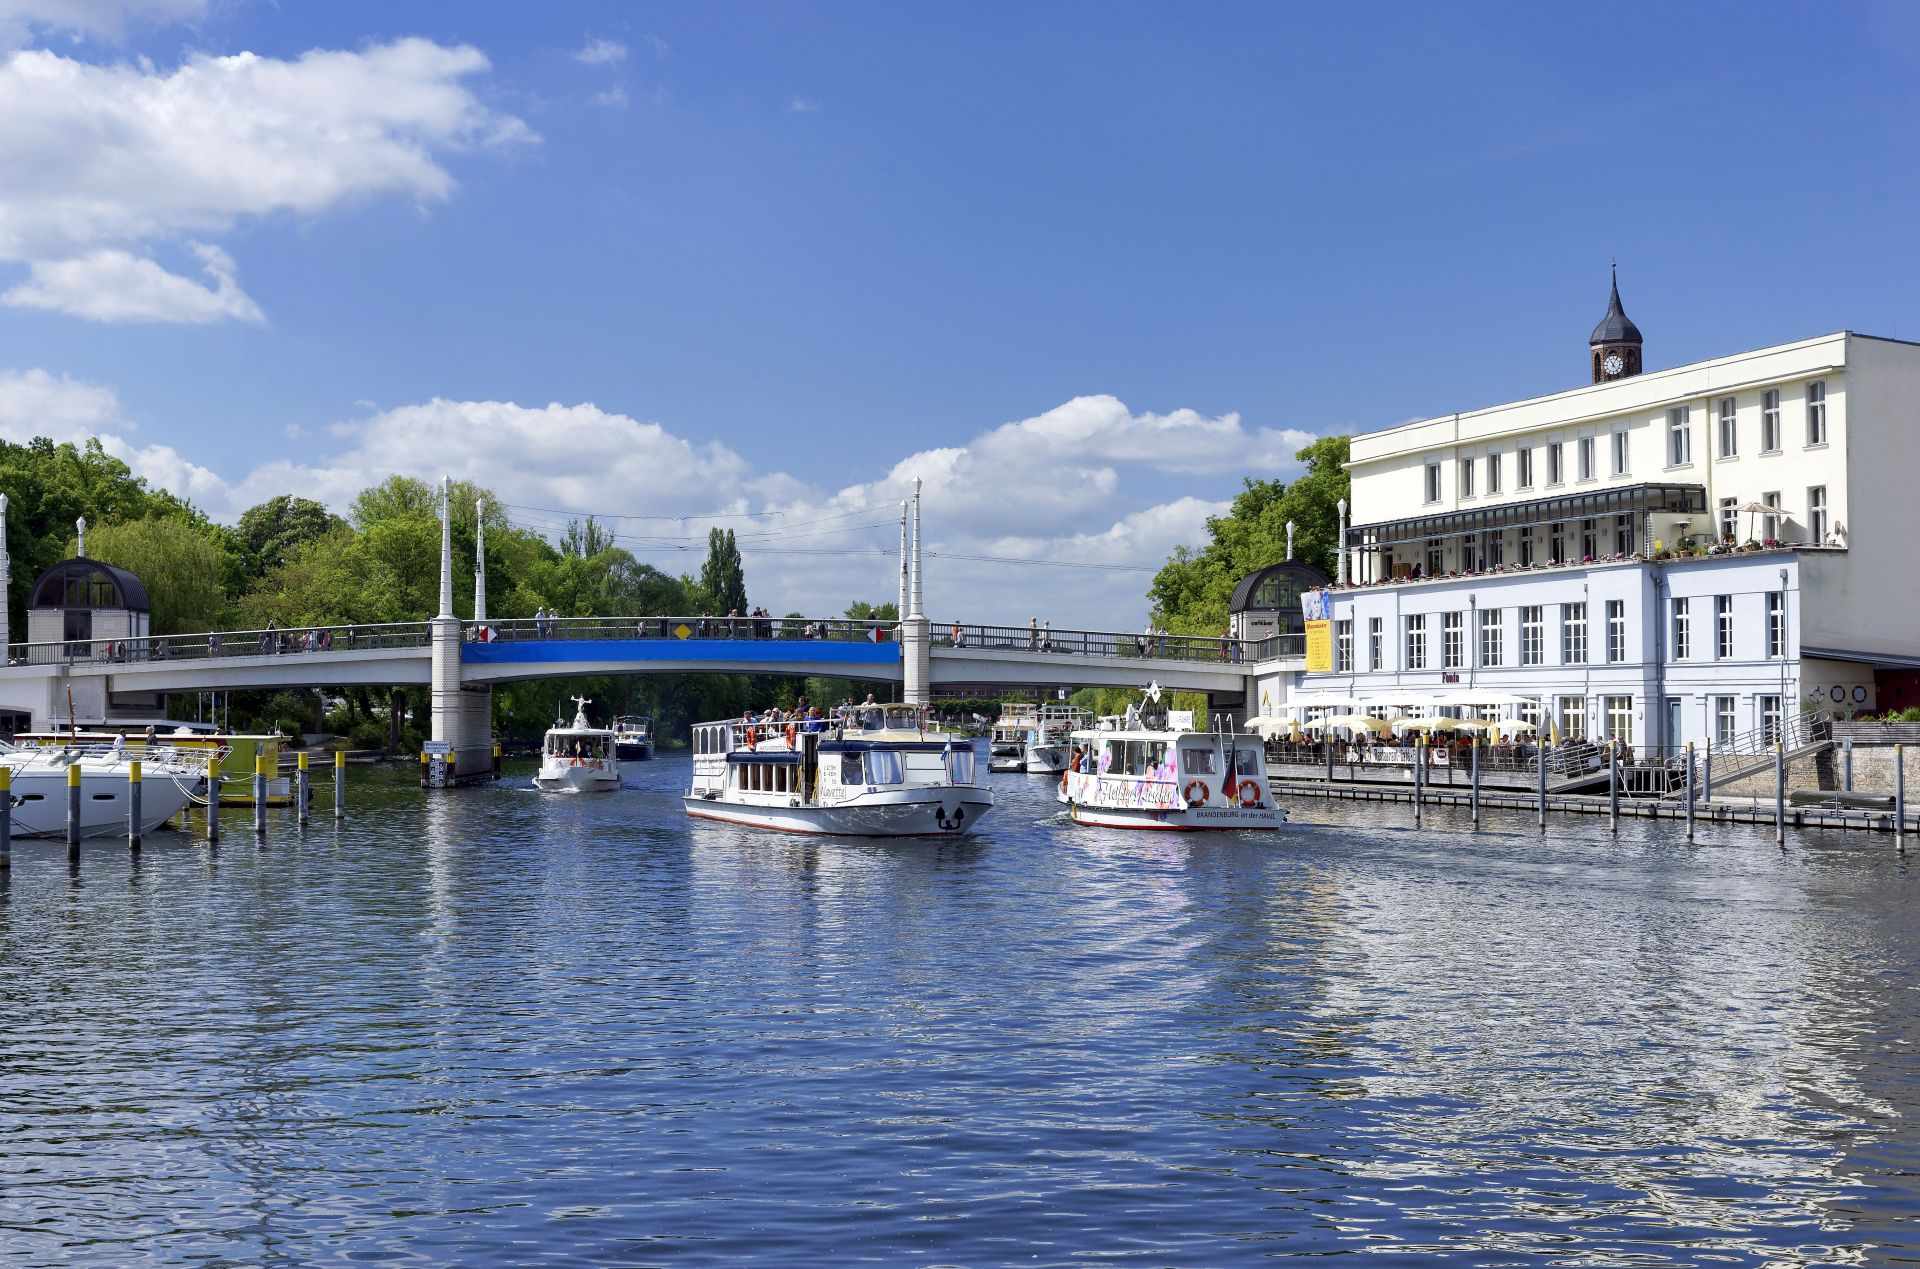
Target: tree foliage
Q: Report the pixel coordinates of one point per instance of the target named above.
(1191, 591)
(267, 534)
(723, 580)
(181, 561)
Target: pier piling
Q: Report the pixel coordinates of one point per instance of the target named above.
(302, 792)
(339, 784)
(1706, 774)
(1780, 794)
(1846, 765)
(73, 810)
(260, 792)
(213, 800)
(133, 806)
(1540, 765)
(1900, 796)
(1613, 786)
(1690, 803)
(6, 818)
(1419, 775)
(1473, 756)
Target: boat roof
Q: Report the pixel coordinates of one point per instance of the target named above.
(1143, 734)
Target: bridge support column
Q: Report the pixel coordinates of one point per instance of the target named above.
(916, 656)
(462, 718)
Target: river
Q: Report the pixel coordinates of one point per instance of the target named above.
(497, 1026)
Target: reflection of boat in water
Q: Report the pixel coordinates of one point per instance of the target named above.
(578, 758)
(1051, 739)
(168, 778)
(633, 737)
(1151, 769)
(1007, 751)
(884, 772)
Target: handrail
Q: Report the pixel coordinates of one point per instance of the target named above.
(1138, 645)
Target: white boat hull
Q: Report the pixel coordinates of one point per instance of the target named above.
(925, 812)
(577, 777)
(1007, 764)
(1048, 759)
(40, 803)
(1180, 820)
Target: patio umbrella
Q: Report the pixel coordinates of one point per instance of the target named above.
(1753, 509)
(1267, 728)
(1518, 726)
(1426, 724)
(1353, 722)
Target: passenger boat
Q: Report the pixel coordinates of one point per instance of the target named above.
(878, 772)
(633, 737)
(1051, 739)
(1153, 769)
(1011, 732)
(169, 780)
(578, 758)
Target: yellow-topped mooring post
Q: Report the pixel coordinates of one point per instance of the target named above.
(213, 798)
(73, 810)
(302, 792)
(339, 784)
(133, 805)
(6, 818)
(1473, 753)
(260, 791)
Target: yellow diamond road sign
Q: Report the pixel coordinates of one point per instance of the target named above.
(682, 630)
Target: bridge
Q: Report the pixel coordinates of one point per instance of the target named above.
(461, 660)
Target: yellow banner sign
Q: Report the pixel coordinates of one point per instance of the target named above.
(1319, 645)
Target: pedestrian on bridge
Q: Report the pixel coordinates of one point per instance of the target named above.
(1033, 634)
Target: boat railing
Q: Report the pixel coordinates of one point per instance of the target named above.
(161, 758)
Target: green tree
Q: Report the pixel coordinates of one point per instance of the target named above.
(861, 610)
(181, 562)
(723, 580)
(266, 534)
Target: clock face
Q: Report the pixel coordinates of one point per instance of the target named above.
(1613, 365)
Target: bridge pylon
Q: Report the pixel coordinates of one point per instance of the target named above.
(462, 714)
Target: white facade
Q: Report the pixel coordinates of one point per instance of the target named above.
(1676, 648)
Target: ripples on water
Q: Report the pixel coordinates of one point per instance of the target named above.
(510, 1028)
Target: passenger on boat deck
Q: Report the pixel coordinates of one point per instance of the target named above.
(119, 744)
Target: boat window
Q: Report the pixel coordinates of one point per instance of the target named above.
(1136, 757)
(1107, 756)
(1197, 761)
(850, 769)
(883, 767)
(1246, 760)
(960, 766)
(1156, 754)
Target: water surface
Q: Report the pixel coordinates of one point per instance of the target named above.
(503, 1027)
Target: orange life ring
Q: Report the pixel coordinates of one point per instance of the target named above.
(753, 737)
(1249, 793)
(1195, 793)
(793, 734)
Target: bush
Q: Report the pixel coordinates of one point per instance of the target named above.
(370, 733)
(1911, 714)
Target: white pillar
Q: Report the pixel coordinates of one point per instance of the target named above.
(6, 580)
(1341, 547)
(916, 650)
(479, 561)
(462, 719)
(914, 600)
(1290, 541)
(80, 530)
(900, 609)
(446, 546)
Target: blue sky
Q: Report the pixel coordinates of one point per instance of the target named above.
(781, 259)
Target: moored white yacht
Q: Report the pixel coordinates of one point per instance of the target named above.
(169, 779)
(1051, 740)
(1151, 769)
(633, 737)
(879, 772)
(578, 758)
(1011, 733)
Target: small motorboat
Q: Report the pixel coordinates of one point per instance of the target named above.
(1151, 768)
(1051, 739)
(1011, 733)
(578, 758)
(881, 771)
(169, 779)
(633, 737)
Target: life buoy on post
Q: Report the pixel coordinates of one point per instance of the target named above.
(1249, 794)
(1195, 792)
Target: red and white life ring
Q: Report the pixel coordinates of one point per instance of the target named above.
(1063, 782)
(1195, 793)
(1249, 793)
(793, 733)
(753, 737)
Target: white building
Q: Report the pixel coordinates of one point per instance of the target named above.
(1554, 549)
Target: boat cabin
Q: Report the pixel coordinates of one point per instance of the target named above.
(1157, 756)
(584, 744)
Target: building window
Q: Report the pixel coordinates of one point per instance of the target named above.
(1533, 635)
(1723, 720)
(1416, 642)
(1682, 628)
(1770, 720)
(1436, 558)
(1573, 717)
(1343, 646)
(1589, 541)
(1452, 641)
(1723, 627)
(1376, 643)
(1616, 630)
(1816, 413)
(1679, 438)
(1466, 478)
(1729, 518)
(1557, 544)
(1526, 548)
(1491, 651)
(1523, 467)
(1619, 711)
(1573, 634)
(1493, 473)
(1729, 429)
(1493, 549)
(1619, 453)
(1776, 624)
(1623, 535)
(1433, 482)
(1586, 458)
(1817, 514)
(1770, 524)
(1556, 468)
(1770, 421)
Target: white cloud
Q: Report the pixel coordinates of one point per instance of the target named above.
(802, 106)
(96, 19)
(115, 286)
(1184, 441)
(126, 155)
(599, 52)
(614, 98)
(35, 403)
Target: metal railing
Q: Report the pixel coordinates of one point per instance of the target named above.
(1292, 647)
(418, 634)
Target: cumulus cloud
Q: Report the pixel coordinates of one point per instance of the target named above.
(109, 20)
(115, 286)
(598, 52)
(124, 156)
(614, 98)
(35, 403)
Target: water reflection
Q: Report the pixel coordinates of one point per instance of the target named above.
(456, 1029)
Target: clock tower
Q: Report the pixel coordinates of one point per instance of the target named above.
(1616, 342)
